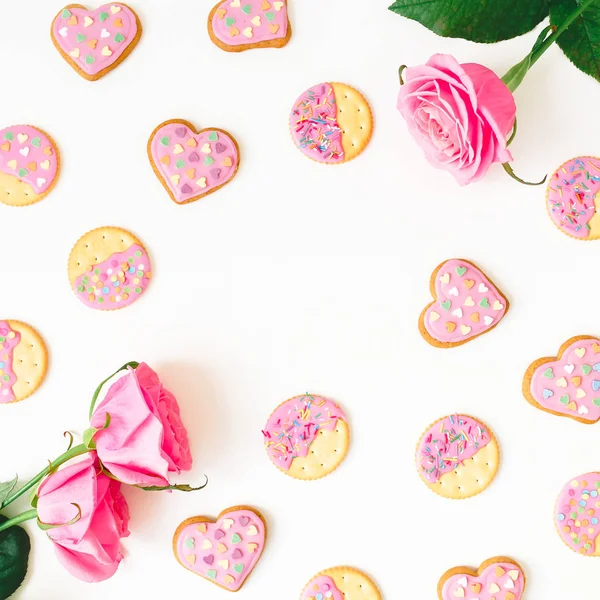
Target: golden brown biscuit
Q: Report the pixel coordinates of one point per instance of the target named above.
(341, 582)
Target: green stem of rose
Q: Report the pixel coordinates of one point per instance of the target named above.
(513, 82)
(63, 458)
(26, 516)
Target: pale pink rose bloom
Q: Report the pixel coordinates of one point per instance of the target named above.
(461, 115)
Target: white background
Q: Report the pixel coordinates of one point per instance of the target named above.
(296, 277)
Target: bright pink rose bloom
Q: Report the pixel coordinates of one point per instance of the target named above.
(460, 115)
(146, 441)
(90, 548)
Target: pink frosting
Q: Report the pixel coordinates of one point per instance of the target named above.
(9, 339)
(193, 164)
(499, 581)
(572, 195)
(95, 39)
(571, 386)
(577, 512)
(322, 588)
(117, 282)
(226, 551)
(314, 125)
(448, 443)
(28, 154)
(294, 426)
(467, 303)
(238, 22)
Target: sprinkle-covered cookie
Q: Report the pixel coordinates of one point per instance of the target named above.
(109, 268)
(577, 512)
(94, 42)
(466, 305)
(307, 437)
(331, 123)
(224, 551)
(498, 578)
(341, 583)
(23, 361)
(29, 165)
(238, 25)
(572, 196)
(192, 164)
(458, 457)
(567, 385)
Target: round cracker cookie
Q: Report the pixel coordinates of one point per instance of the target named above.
(457, 457)
(29, 165)
(572, 198)
(331, 123)
(23, 361)
(341, 583)
(109, 268)
(307, 437)
(577, 514)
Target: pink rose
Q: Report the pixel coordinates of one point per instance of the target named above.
(461, 115)
(145, 441)
(90, 548)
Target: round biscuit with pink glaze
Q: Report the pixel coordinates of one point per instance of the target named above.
(572, 198)
(577, 512)
(307, 437)
(23, 361)
(29, 165)
(94, 42)
(331, 123)
(567, 385)
(189, 163)
(224, 550)
(341, 583)
(457, 457)
(109, 268)
(466, 304)
(239, 25)
(498, 578)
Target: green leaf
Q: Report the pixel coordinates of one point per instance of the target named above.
(183, 487)
(476, 20)
(88, 438)
(6, 489)
(14, 555)
(581, 41)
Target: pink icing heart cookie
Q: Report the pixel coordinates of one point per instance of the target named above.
(577, 512)
(341, 583)
(458, 457)
(29, 165)
(307, 437)
(94, 42)
(109, 268)
(331, 123)
(572, 198)
(224, 551)
(498, 578)
(238, 25)
(466, 305)
(567, 385)
(192, 164)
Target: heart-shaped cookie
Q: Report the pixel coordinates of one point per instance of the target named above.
(567, 385)
(192, 164)
(224, 551)
(466, 305)
(498, 578)
(94, 42)
(238, 25)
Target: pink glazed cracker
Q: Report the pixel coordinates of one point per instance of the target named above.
(466, 305)
(224, 551)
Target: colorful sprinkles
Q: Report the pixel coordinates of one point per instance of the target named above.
(572, 195)
(9, 339)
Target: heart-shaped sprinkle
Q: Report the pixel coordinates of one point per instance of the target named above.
(586, 369)
(433, 316)
(180, 164)
(226, 162)
(582, 410)
(509, 584)
(572, 406)
(596, 367)
(22, 137)
(252, 547)
(206, 545)
(549, 373)
(270, 16)
(596, 401)
(166, 160)
(580, 352)
(209, 560)
(579, 394)
(596, 347)
(458, 313)
(547, 393)
(191, 142)
(216, 173)
(247, 8)
(80, 37)
(178, 149)
(235, 3)
(24, 151)
(194, 157)
(221, 13)
(484, 303)
(45, 165)
(462, 582)
(265, 5)
(237, 554)
(459, 593)
(118, 23)
(220, 148)
(191, 173)
(562, 382)
(488, 320)
(445, 278)
(499, 571)
(229, 21)
(221, 548)
(446, 304)
(460, 271)
(497, 305)
(202, 182)
(450, 327)
(89, 59)
(483, 288)
(190, 542)
(469, 301)
(202, 527)
(40, 182)
(88, 21)
(119, 38)
(75, 53)
(277, 5)
(103, 16)
(465, 329)
(219, 534)
(569, 368)
(106, 51)
(476, 588)
(208, 160)
(493, 589)
(453, 291)
(186, 189)
(244, 520)
(63, 32)
(228, 523)
(595, 385)
(36, 141)
(235, 539)
(115, 9)
(12, 164)
(564, 399)
(475, 317)
(468, 283)
(252, 531)
(256, 21)
(206, 149)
